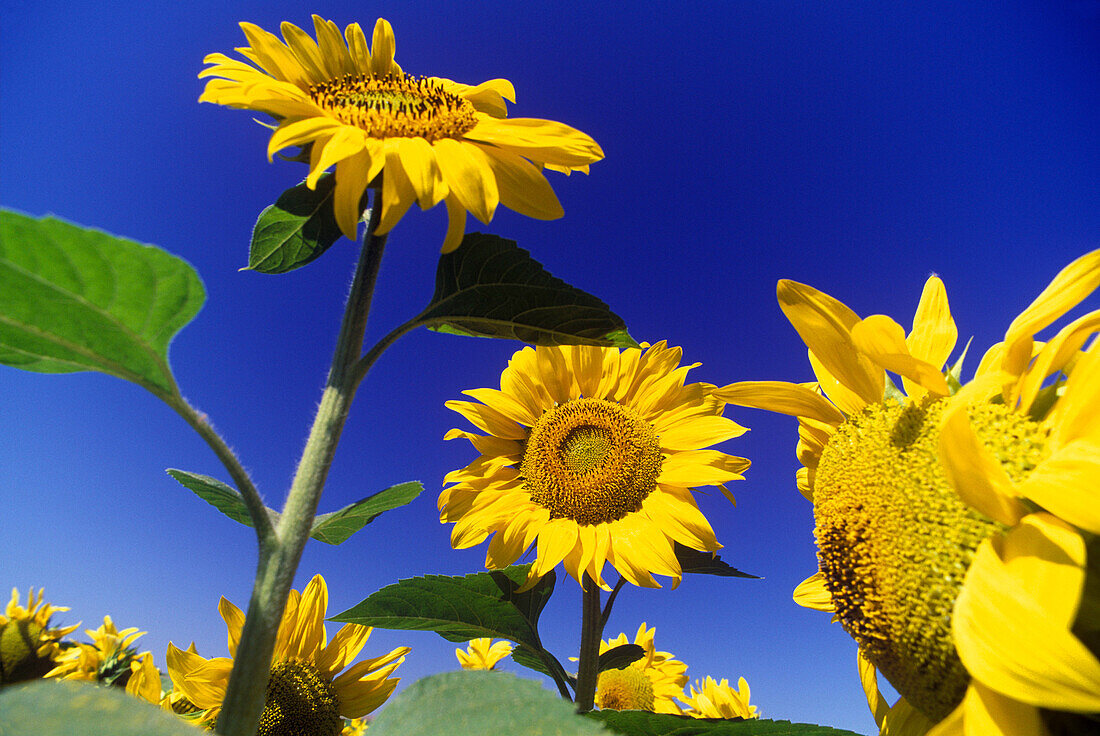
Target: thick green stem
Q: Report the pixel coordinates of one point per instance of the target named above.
(591, 631)
(244, 698)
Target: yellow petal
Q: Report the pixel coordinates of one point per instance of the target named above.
(358, 49)
(825, 325)
(1067, 484)
(351, 182)
(382, 48)
(397, 192)
(1075, 416)
(418, 161)
(456, 224)
(868, 677)
(305, 51)
(845, 399)
(521, 186)
(934, 333)
(977, 476)
(299, 133)
(1072, 284)
(883, 341)
(699, 432)
(1015, 643)
(812, 593)
(540, 141)
(468, 176)
(785, 398)
(1053, 357)
(344, 143)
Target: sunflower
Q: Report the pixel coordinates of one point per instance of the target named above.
(483, 654)
(650, 683)
(306, 694)
(106, 660)
(29, 646)
(430, 139)
(895, 537)
(591, 453)
(355, 727)
(712, 699)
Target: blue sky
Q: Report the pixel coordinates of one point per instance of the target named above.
(858, 147)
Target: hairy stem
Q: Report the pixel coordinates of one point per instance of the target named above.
(244, 697)
(591, 630)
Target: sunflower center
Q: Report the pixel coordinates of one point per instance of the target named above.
(300, 702)
(20, 639)
(591, 460)
(895, 541)
(395, 106)
(625, 689)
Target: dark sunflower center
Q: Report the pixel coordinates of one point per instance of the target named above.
(895, 541)
(591, 460)
(626, 689)
(299, 703)
(396, 106)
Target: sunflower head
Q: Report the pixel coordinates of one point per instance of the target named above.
(483, 654)
(591, 453)
(29, 645)
(309, 692)
(712, 699)
(650, 683)
(107, 660)
(420, 139)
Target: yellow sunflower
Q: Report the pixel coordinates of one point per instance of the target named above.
(106, 660)
(651, 683)
(29, 646)
(306, 694)
(355, 727)
(895, 538)
(429, 138)
(591, 453)
(483, 654)
(712, 699)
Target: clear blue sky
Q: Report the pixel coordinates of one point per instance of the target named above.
(858, 147)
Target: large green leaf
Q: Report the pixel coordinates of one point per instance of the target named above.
(618, 657)
(458, 608)
(296, 230)
(75, 299)
(706, 563)
(480, 703)
(490, 287)
(642, 723)
(331, 528)
(66, 708)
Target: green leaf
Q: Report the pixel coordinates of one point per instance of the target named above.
(296, 230)
(490, 287)
(458, 608)
(642, 723)
(75, 299)
(335, 527)
(479, 703)
(705, 563)
(66, 708)
(332, 528)
(542, 661)
(618, 657)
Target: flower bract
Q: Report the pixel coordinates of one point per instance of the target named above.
(309, 691)
(590, 453)
(429, 139)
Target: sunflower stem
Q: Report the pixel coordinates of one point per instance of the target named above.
(244, 697)
(591, 631)
(610, 602)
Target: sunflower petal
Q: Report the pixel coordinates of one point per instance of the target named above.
(977, 476)
(812, 593)
(883, 341)
(785, 398)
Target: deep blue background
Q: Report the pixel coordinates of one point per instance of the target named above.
(858, 147)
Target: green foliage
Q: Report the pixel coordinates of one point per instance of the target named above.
(704, 563)
(479, 703)
(618, 657)
(460, 608)
(75, 299)
(66, 708)
(331, 528)
(643, 723)
(296, 230)
(490, 287)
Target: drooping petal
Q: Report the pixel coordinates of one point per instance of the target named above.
(785, 398)
(978, 477)
(883, 341)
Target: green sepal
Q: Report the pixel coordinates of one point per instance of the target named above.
(706, 563)
(296, 230)
(490, 287)
(76, 299)
(331, 528)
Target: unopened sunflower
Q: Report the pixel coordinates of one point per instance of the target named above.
(591, 454)
(713, 699)
(307, 694)
(29, 644)
(483, 654)
(106, 660)
(430, 139)
(651, 683)
(899, 539)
